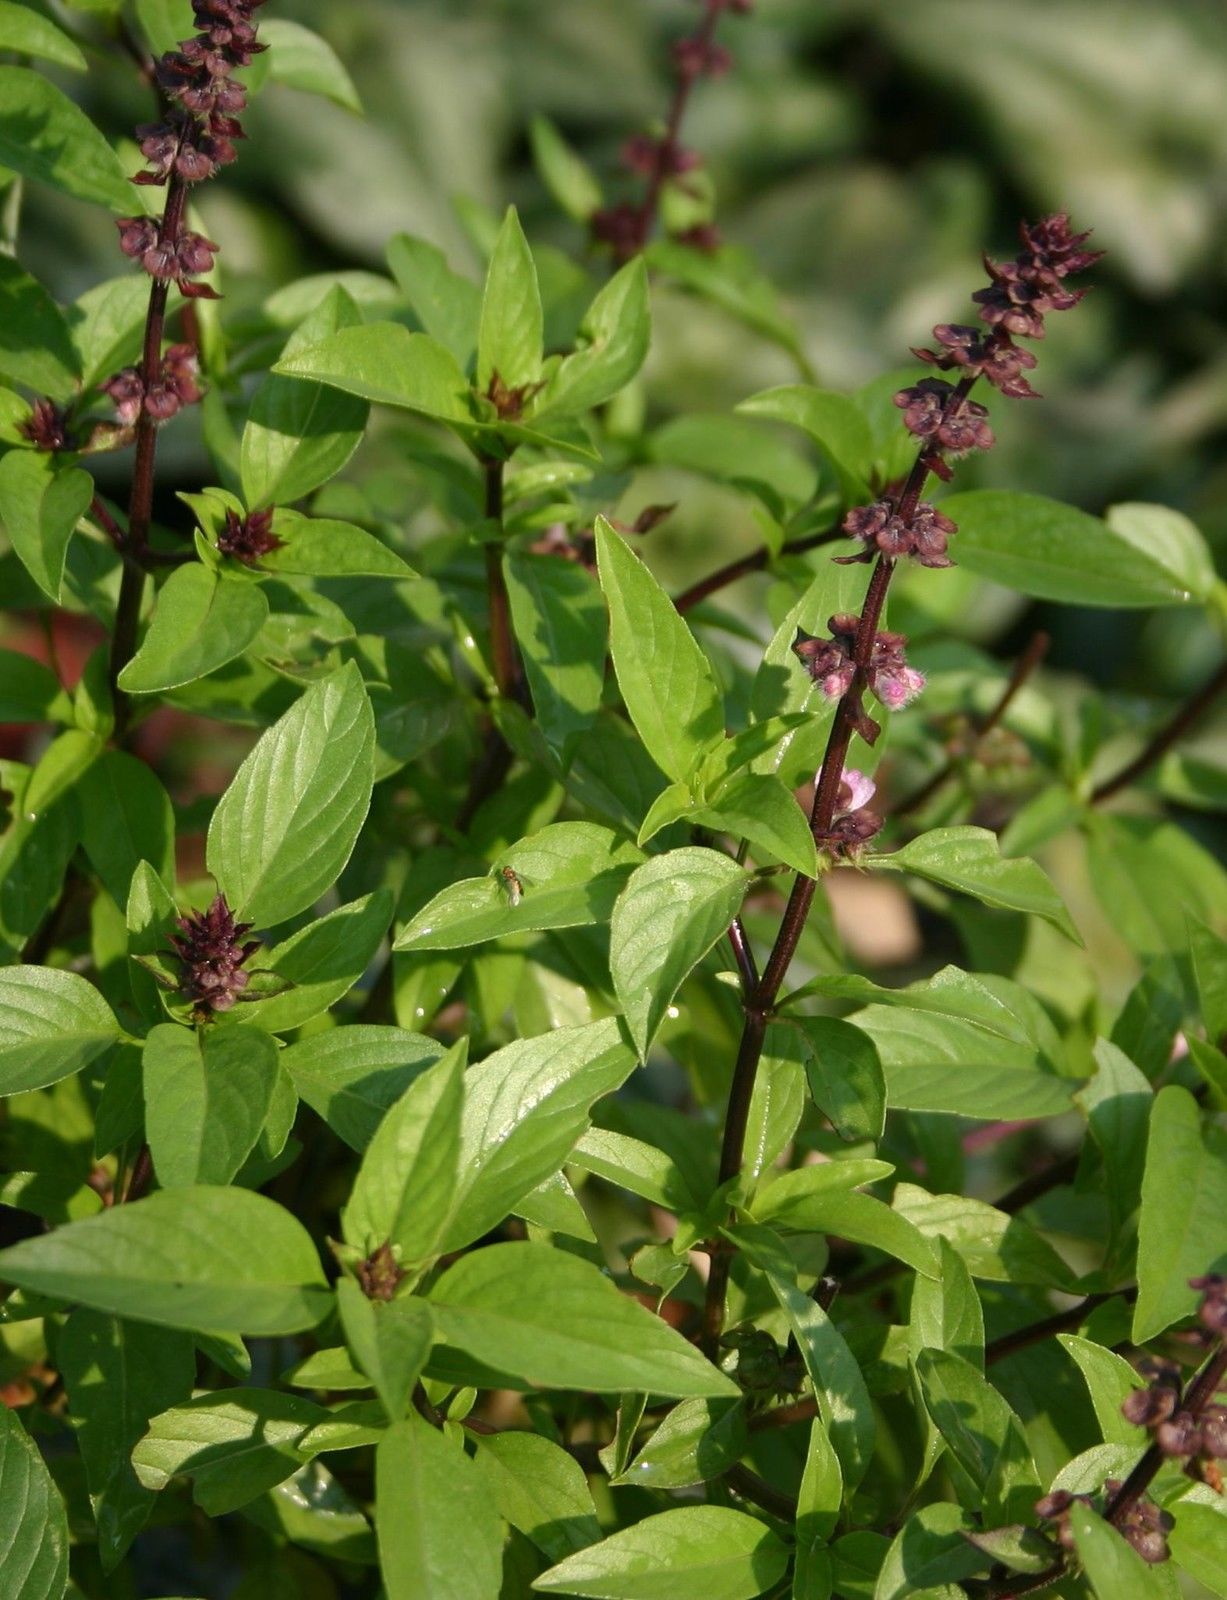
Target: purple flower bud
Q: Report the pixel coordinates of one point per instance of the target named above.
(1146, 1408)
(46, 427)
(211, 954)
(248, 538)
(193, 255)
(1180, 1435)
(137, 235)
(923, 537)
(127, 390)
(1212, 1312)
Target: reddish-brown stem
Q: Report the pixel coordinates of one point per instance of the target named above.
(667, 146)
(1165, 738)
(759, 1005)
(140, 1177)
(1059, 1322)
(756, 561)
(1026, 664)
(744, 957)
(140, 506)
(502, 640)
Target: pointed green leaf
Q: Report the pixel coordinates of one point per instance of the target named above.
(350, 1075)
(835, 423)
(665, 679)
(36, 346)
(301, 59)
(524, 1108)
(207, 1094)
(547, 1318)
(1113, 1567)
(390, 1340)
(126, 818)
(300, 434)
(612, 346)
(202, 619)
(40, 506)
(404, 1188)
(29, 33)
(539, 1489)
(384, 362)
(33, 1524)
(564, 171)
(672, 911)
(711, 1551)
(118, 1375)
(566, 876)
(233, 1444)
(52, 1024)
(322, 548)
(697, 1440)
(208, 1259)
(845, 1076)
(970, 860)
(447, 304)
(559, 621)
(982, 1432)
(438, 1533)
(285, 827)
(509, 335)
(48, 139)
(321, 963)
(1184, 1201)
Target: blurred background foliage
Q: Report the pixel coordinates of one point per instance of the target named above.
(863, 151)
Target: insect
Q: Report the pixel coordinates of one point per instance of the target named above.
(512, 884)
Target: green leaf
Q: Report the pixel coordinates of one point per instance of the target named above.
(404, 1189)
(1150, 876)
(731, 278)
(1056, 552)
(106, 325)
(390, 1340)
(439, 1534)
(118, 1375)
(29, 33)
(818, 1505)
(447, 304)
(1199, 1544)
(524, 1108)
(203, 618)
(559, 620)
(321, 963)
(973, 1046)
(351, 1075)
(285, 827)
(540, 1490)
(711, 1551)
(795, 1202)
(640, 1168)
(35, 346)
(300, 59)
(321, 548)
(1210, 972)
(665, 679)
(671, 913)
(845, 1076)
(612, 346)
(835, 423)
(40, 506)
(208, 1259)
(843, 1400)
(1167, 538)
(929, 1555)
(970, 860)
(564, 171)
(568, 875)
(207, 1094)
(300, 434)
(33, 1524)
(1117, 1103)
(126, 818)
(510, 332)
(697, 1440)
(758, 807)
(48, 139)
(1184, 1200)
(1111, 1380)
(384, 362)
(983, 1434)
(1113, 1567)
(946, 1313)
(234, 1445)
(995, 1246)
(552, 1321)
(52, 1024)
(29, 691)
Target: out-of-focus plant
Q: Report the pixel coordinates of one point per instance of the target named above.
(438, 1159)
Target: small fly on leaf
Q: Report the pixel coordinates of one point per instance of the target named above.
(512, 884)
